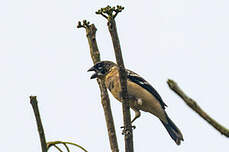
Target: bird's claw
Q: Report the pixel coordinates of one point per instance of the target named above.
(126, 131)
(133, 127)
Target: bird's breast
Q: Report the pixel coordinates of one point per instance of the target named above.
(147, 101)
(113, 84)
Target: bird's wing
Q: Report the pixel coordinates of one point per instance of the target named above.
(134, 77)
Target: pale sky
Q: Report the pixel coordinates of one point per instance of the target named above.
(44, 54)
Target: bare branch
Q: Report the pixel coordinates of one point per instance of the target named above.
(111, 13)
(95, 55)
(33, 102)
(194, 106)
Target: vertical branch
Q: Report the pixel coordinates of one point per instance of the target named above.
(123, 81)
(110, 13)
(95, 55)
(33, 102)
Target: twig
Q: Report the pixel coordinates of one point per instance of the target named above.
(54, 143)
(33, 102)
(95, 55)
(110, 14)
(57, 148)
(194, 106)
(65, 145)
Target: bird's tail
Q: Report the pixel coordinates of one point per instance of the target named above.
(173, 131)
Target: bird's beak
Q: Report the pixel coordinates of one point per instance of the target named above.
(95, 74)
(91, 69)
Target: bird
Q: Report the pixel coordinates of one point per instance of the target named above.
(141, 95)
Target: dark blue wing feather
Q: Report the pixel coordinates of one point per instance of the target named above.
(134, 77)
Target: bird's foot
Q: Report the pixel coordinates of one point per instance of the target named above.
(126, 130)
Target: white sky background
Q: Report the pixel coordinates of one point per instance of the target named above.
(44, 54)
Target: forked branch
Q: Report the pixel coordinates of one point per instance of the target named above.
(45, 146)
(55, 143)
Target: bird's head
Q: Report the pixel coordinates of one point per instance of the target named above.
(101, 69)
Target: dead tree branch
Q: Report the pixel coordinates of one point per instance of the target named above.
(33, 102)
(194, 106)
(95, 55)
(110, 13)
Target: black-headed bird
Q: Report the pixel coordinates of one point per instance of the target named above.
(142, 96)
